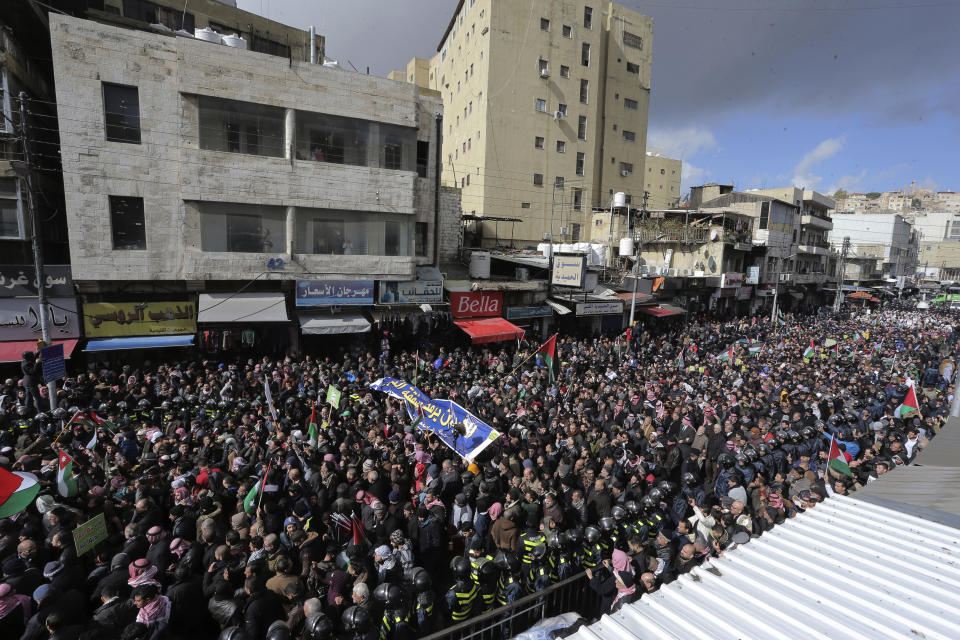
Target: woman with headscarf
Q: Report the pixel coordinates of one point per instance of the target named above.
(615, 583)
(142, 573)
(14, 613)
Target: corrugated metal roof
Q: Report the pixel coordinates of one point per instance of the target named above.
(844, 569)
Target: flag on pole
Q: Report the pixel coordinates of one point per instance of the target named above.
(66, 485)
(837, 459)
(757, 349)
(726, 356)
(101, 422)
(836, 350)
(17, 491)
(680, 363)
(255, 491)
(910, 404)
(808, 352)
(312, 432)
(549, 351)
(93, 442)
(359, 531)
(269, 395)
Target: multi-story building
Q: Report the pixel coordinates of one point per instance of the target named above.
(939, 260)
(888, 237)
(194, 167)
(545, 108)
(811, 245)
(947, 201)
(662, 180)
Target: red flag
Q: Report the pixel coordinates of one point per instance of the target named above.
(359, 531)
(549, 351)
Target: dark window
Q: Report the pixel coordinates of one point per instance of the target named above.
(584, 90)
(558, 182)
(544, 24)
(154, 14)
(575, 236)
(585, 54)
(391, 238)
(126, 222)
(629, 136)
(421, 238)
(567, 31)
(588, 18)
(632, 40)
(423, 157)
(581, 158)
(630, 103)
(764, 215)
(577, 203)
(524, 205)
(538, 179)
(121, 107)
(582, 128)
(633, 68)
(564, 71)
(538, 142)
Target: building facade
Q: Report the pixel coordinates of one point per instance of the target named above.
(662, 180)
(546, 108)
(886, 238)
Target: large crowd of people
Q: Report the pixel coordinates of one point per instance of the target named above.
(639, 458)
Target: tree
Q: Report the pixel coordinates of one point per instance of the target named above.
(873, 195)
(840, 194)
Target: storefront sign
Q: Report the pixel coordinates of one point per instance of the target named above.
(744, 293)
(412, 292)
(726, 293)
(598, 308)
(729, 280)
(568, 270)
(112, 319)
(325, 293)
(519, 313)
(20, 319)
(21, 280)
(475, 304)
(753, 275)
(694, 283)
(51, 359)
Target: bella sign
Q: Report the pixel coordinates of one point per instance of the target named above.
(475, 304)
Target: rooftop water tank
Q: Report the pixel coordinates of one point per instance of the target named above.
(619, 199)
(626, 246)
(480, 265)
(234, 41)
(207, 34)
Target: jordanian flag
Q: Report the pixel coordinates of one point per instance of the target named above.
(549, 351)
(17, 491)
(251, 500)
(808, 352)
(726, 356)
(837, 459)
(66, 485)
(312, 433)
(910, 404)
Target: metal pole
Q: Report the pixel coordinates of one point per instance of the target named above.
(838, 298)
(35, 241)
(955, 405)
(313, 45)
(636, 262)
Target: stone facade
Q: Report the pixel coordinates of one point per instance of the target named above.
(173, 175)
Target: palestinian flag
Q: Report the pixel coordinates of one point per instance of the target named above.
(836, 350)
(65, 482)
(726, 356)
(680, 363)
(910, 404)
(17, 491)
(312, 433)
(101, 422)
(808, 352)
(359, 531)
(756, 349)
(251, 500)
(837, 459)
(549, 351)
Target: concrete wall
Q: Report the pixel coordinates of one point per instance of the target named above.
(169, 170)
(662, 181)
(451, 230)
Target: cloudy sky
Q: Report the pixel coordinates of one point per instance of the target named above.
(858, 94)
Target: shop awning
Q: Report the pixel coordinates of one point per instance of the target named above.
(248, 308)
(658, 312)
(859, 294)
(641, 297)
(484, 330)
(559, 308)
(13, 351)
(141, 342)
(325, 324)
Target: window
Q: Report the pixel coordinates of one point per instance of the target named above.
(541, 105)
(575, 235)
(561, 146)
(420, 238)
(577, 200)
(154, 14)
(524, 205)
(632, 40)
(588, 18)
(544, 24)
(469, 143)
(544, 67)
(764, 215)
(471, 70)
(629, 136)
(240, 127)
(633, 68)
(121, 110)
(468, 179)
(126, 223)
(663, 172)
(582, 128)
(585, 54)
(584, 90)
(423, 157)
(614, 126)
(581, 159)
(567, 31)
(562, 108)
(558, 182)
(627, 198)
(538, 142)
(564, 71)
(471, 106)
(626, 168)
(630, 103)
(538, 179)
(10, 226)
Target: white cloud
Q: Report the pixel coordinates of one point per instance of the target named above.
(681, 142)
(928, 183)
(691, 175)
(803, 175)
(848, 182)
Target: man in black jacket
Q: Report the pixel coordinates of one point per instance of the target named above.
(262, 608)
(115, 613)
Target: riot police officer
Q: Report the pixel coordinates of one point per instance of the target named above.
(395, 623)
(538, 575)
(423, 600)
(356, 623)
(592, 553)
(509, 588)
(461, 595)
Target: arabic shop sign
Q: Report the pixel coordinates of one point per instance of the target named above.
(21, 280)
(20, 319)
(568, 270)
(324, 293)
(112, 319)
(412, 292)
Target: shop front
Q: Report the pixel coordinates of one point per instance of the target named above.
(477, 314)
(331, 314)
(130, 331)
(20, 326)
(600, 317)
(409, 311)
(535, 318)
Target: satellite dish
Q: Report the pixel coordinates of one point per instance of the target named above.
(712, 264)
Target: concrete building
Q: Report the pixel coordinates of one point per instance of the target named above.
(811, 245)
(192, 166)
(936, 226)
(546, 108)
(887, 237)
(939, 260)
(663, 180)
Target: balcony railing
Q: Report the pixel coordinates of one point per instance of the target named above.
(692, 235)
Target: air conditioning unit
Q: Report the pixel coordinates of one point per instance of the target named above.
(545, 72)
(672, 273)
(686, 272)
(564, 230)
(642, 269)
(558, 115)
(546, 236)
(624, 173)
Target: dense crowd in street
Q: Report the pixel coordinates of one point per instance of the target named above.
(638, 459)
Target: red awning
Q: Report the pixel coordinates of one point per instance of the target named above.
(483, 330)
(657, 312)
(641, 297)
(13, 351)
(860, 294)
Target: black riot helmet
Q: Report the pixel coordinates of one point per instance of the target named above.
(318, 627)
(356, 619)
(460, 568)
(591, 534)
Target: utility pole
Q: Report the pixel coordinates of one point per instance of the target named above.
(27, 175)
(633, 300)
(843, 269)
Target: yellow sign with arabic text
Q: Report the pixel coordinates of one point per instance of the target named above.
(113, 319)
